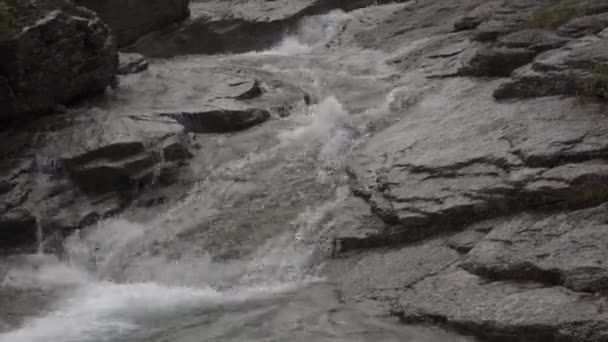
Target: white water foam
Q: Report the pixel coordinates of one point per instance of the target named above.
(102, 311)
(318, 125)
(313, 32)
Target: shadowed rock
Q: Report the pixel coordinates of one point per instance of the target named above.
(221, 120)
(53, 57)
(490, 160)
(566, 249)
(497, 61)
(132, 19)
(17, 229)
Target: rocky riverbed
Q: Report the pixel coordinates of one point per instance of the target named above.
(425, 170)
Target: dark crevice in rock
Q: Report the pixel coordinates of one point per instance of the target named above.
(524, 272)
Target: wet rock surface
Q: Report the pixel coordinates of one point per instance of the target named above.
(562, 249)
(70, 170)
(505, 311)
(503, 199)
(131, 63)
(129, 20)
(455, 210)
(237, 26)
(53, 57)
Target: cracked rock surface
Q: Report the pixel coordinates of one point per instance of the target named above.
(493, 212)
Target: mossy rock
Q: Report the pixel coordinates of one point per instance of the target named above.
(554, 15)
(7, 17)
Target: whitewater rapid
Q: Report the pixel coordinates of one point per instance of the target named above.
(129, 280)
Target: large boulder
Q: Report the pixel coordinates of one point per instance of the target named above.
(53, 57)
(130, 20)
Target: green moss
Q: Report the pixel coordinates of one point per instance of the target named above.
(554, 15)
(588, 197)
(595, 86)
(7, 17)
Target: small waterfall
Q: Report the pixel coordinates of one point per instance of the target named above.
(39, 236)
(45, 171)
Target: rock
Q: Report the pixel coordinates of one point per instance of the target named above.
(557, 72)
(227, 27)
(584, 26)
(478, 15)
(488, 160)
(56, 58)
(221, 120)
(132, 19)
(528, 82)
(96, 159)
(123, 157)
(539, 40)
(496, 61)
(505, 311)
(467, 23)
(566, 249)
(383, 276)
(465, 241)
(490, 30)
(595, 6)
(17, 229)
(505, 17)
(131, 63)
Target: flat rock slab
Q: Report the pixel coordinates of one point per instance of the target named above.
(220, 120)
(504, 311)
(460, 157)
(568, 249)
(538, 40)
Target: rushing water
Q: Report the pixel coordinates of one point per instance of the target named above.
(237, 258)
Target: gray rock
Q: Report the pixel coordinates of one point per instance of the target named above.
(221, 120)
(497, 61)
(490, 30)
(504, 311)
(456, 162)
(567, 249)
(584, 26)
(557, 72)
(57, 59)
(538, 40)
(383, 276)
(465, 241)
(131, 63)
(467, 23)
(227, 27)
(595, 6)
(130, 20)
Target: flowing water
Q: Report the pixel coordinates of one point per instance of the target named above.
(237, 257)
